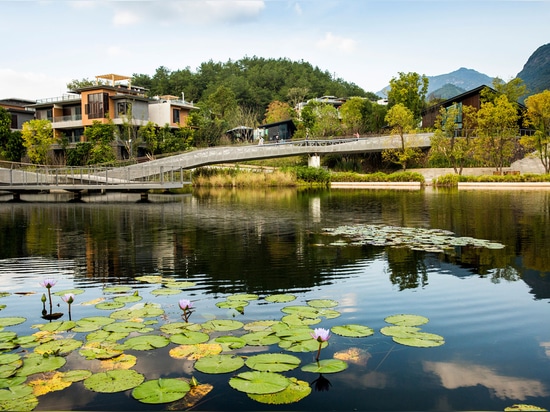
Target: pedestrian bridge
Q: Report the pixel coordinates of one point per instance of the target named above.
(175, 171)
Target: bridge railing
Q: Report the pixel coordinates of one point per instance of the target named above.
(92, 176)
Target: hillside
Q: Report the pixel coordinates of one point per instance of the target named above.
(536, 72)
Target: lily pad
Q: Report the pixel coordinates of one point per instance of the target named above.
(194, 352)
(15, 392)
(59, 346)
(147, 310)
(146, 342)
(406, 320)
(322, 303)
(58, 326)
(326, 366)
(230, 342)
(273, 362)
(216, 364)
(280, 298)
(161, 391)
(259, 382)
(117, 289)
(66, 291)
(222, 325)
(259, 325)
(189, 337)
(309, 345)
(232, 304)
(179, 284)
(125, 327)
(36, 363)
(15, 320)
(92, 323)
(109, 305)
(298, 320)
(100, 350)
(25, 403)
(262, 338)
(165, 291)
(76, 375)
(127, 299)
(352, 331)
(123, 361)
(173, 328)
(150, 278)
(11, 382)
(296, 391)
(243, 297)
(103, 335)
(421, 340)
(46, 383)
(114, 381)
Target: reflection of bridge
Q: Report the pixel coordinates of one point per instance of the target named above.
(173, 172)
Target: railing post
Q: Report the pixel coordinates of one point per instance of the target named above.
(161, 175)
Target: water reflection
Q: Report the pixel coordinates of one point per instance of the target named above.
(457, 375)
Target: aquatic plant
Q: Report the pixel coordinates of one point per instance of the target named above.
(320, 335)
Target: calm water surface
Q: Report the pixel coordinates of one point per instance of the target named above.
(491, 306)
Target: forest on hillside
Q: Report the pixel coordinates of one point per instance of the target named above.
(254, 81)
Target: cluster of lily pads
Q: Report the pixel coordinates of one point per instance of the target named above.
(30, 365)
(428, 240)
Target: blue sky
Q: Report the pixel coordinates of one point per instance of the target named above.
(46, 44)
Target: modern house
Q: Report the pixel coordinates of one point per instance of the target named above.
(469, 98)
(282, 130)
(112, 99)
(18, 110)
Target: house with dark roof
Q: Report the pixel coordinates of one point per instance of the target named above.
(469, 98)
(18, 110)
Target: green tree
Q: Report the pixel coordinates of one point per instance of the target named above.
(451, 141)
(409, 89)
(38, 138)
(352, 115)
(402, 122)
(277, 111)
(327, 123)
(513, 90)
(151, 136)
(101, 136)
(78, 84)
(497, 129)
(538, 116)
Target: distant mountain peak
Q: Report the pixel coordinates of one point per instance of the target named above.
(462, 78)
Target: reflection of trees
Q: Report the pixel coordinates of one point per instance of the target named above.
(407, 268)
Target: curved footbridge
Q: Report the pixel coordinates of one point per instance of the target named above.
(175, 171)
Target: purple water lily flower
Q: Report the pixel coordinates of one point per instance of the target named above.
(68, 298)
(320, 335)
(186, 306)
(48, 283)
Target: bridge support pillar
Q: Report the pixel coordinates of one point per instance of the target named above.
(77, 196)
(144, 197)
(314, 161)
(16, 196)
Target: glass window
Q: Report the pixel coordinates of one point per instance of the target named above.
(176, 115)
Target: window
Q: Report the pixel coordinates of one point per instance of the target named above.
(14, 121)
(122, 108)
(98, 104)
(175, 115)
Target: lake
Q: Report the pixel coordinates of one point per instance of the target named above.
(262, 267)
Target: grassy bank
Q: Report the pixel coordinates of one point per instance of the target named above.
(452, 180)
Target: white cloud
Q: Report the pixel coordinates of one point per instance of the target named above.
(331, 42)
(298, 9)
(125, 18)
(192, 12)
(24, 85)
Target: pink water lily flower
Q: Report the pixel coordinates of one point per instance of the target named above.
(185, 304)
(68, 298)
(321, 335)
(48, 283)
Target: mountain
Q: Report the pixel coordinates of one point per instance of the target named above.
(536, 72)
(446, 92)
(463, 78)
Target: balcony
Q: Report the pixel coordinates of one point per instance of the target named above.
(62, 122)
(58, 99)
